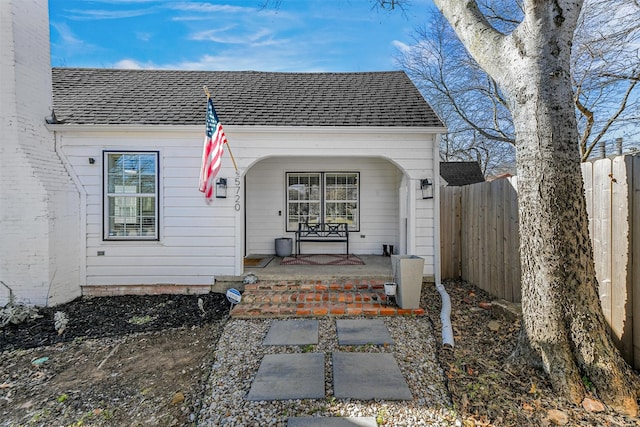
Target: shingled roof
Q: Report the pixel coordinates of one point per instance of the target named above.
(163, 97)
(461, 173)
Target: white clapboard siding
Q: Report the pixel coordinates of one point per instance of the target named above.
(183, 254)
(199, 241)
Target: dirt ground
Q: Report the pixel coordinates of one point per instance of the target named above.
(143, 361)
(122, 361)
(484, 390)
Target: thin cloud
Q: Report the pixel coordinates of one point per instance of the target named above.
(91, 15)
(132, 64)
(252, 27)
(211, 8)
(402, 47)
(210, 34)
(227, 61)
(206, 9)
(271, 42)
(66, 35)
(226, 36)
(266, 62)
(145, 37)
(243, 17)
(65, 45)
(69, 42)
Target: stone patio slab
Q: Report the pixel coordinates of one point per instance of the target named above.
(368, 376)
(332, 422)
(292, 332)
(289, 376)
(362, 332)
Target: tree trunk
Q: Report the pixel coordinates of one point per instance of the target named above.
(563, 318)
(562, 315)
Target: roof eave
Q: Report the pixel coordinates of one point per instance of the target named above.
(243, 128)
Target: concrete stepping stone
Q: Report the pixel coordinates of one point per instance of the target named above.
(368, 376)
(292, 332)
(362, 332)
(332, 422)
(289, 376)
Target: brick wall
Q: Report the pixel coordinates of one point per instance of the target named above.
(39, 204)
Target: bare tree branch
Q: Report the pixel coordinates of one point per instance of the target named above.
(606, 42)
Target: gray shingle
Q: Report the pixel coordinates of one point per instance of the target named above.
(461, 173)
(163, 97)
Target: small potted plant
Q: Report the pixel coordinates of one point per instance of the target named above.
(390, 288)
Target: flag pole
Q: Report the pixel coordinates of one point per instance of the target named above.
(206, 91)
(231, 154)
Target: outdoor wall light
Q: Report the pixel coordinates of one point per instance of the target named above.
(221, 188)
(92, 160)
(427, 188)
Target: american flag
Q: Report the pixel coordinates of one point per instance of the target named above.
(214, 141)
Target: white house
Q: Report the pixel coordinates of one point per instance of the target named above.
(104, 193)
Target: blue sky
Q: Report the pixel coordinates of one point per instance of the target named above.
(299, 35)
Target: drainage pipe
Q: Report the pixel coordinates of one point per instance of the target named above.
(445, 316)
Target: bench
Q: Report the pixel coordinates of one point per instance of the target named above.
(322, 232)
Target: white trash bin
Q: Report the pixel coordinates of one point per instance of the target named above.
(407, 273)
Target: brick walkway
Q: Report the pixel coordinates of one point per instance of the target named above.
(309, 298)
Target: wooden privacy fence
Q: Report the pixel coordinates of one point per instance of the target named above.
(480, 243)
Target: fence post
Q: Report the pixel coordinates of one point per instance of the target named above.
(621, 277)
(634, 203)
(514, 240)
(450, 220)
(601, 237)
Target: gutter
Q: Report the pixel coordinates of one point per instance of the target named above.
(230, 128)
(445, 312)
(445, 316)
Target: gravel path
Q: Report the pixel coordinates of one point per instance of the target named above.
(240, 351)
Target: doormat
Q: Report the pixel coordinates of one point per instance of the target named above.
(257, 262)
(322, 260)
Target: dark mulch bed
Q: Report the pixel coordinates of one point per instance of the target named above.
(100, 317)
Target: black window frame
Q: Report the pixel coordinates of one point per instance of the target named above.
(106, 228)
(289, 227)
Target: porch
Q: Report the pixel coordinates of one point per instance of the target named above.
(374, 267)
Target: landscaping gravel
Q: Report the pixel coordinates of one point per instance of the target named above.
(240, 351)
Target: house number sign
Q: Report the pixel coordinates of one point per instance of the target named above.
(237, 206)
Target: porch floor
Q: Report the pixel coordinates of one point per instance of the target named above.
(375, 266)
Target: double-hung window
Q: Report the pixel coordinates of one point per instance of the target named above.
(330, 197)
(131, 195)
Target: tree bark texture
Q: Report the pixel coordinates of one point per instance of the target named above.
(562, 315)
